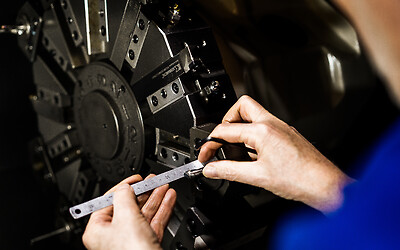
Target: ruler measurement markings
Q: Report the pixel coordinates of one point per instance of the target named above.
(139, 188)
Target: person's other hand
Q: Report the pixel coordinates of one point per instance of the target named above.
(286, 163)
(131, 223)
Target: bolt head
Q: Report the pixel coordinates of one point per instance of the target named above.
(103, 31)
(141, 24)
(64, 4)
(175, 88)
(131, 54)
(135, 39)
(164, 93)
(154, 101)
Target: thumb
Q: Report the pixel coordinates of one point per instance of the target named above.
(124, 202)
(230, 170)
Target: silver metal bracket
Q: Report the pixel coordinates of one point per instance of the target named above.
(165, 96)
(171, 156)
(128, 22)
(96, 26)
(13, 29)
(138, 37)
(72, 23)
(61, 59)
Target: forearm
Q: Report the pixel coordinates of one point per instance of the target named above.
(378, 24)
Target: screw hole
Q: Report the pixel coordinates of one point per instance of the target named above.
(175, 88)
(135, 39)
(75, 35)
(175, 157)
(131, 54)
(103, 31)
(163, 153)
(141, 24)
(46, 41)
(164, 93)
(64, 5)
(83, 182)
(154, 101)
(41, 94)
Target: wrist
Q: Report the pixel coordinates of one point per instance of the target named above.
(326, 191)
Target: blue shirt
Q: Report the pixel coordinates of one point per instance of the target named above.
(370, 215)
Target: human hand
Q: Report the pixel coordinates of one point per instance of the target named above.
(286, 163)
(131, 224)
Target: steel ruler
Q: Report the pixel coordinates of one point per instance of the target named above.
(139, 188)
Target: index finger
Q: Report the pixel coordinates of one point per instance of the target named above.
(246, 109)
(105, 214)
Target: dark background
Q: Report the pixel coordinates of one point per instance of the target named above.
(26, 212)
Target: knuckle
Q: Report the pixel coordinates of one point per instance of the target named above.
(219, 129)
(263, 128)
(222, 126)
(155, 223)
(158, 227)
(244, 98)
(267, 133)
(148, 216)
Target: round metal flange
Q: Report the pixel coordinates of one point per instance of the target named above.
(100, 125)
(109, 122)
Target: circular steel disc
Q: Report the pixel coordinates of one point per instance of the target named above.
(109, 122)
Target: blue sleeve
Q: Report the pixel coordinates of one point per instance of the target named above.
(370, 215)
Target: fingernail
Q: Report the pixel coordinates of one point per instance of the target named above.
(209, 171)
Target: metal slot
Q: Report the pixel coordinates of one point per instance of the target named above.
(80, 189)
(61, 59)
(53, 97)
(96, 26)
(129, 18)
(165, 96)
(172, 156)
(77, 57)
(72, 23)
(139, 35)
(59, 146)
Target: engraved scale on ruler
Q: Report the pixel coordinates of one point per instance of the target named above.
(139, 188)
